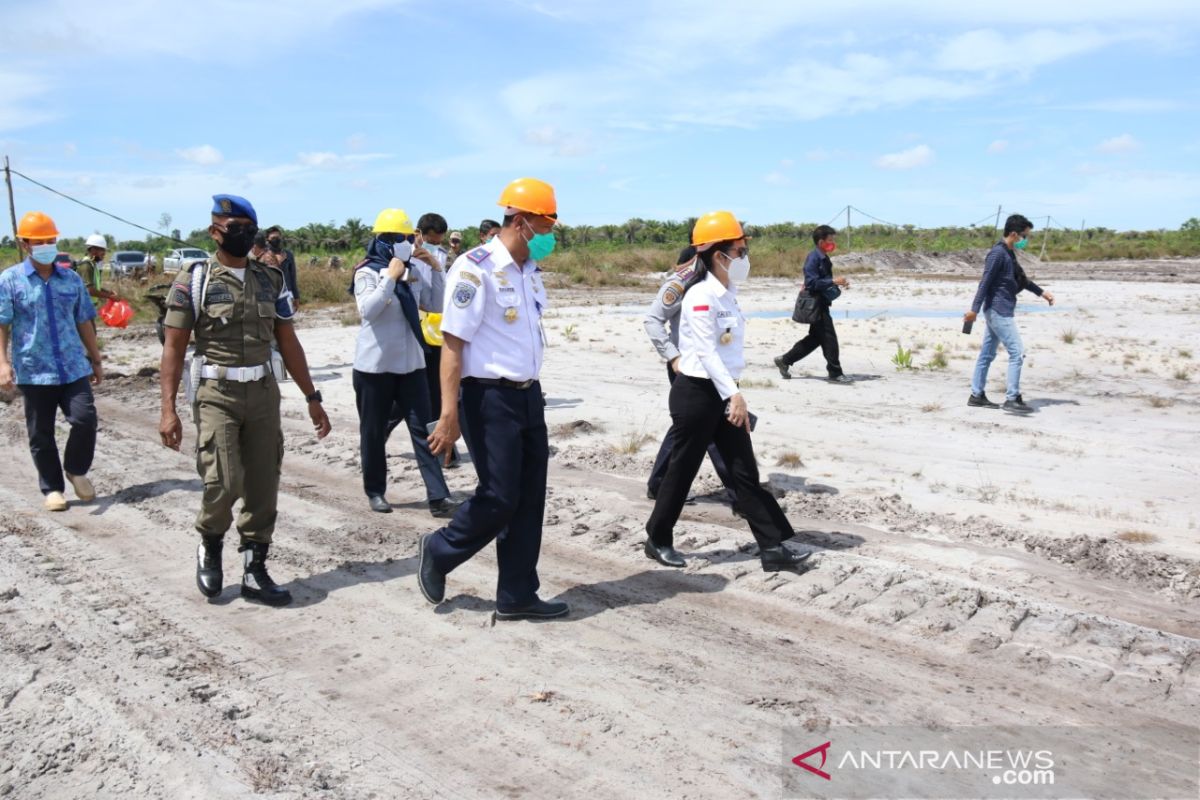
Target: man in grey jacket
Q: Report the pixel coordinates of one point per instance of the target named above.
(389, 358)
(662, 324)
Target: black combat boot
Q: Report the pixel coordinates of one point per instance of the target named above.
(256, 583)
(208, 565)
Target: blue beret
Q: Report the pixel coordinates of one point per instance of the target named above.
(230, 205)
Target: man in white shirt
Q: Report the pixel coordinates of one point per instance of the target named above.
(492, 327)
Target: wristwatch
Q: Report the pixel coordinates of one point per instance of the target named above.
(315, 397)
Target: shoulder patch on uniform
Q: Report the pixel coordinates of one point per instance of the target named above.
(180, 296)
(478, 255)
(470, 276)
(685, 272)
(673, 294)
(464, 293)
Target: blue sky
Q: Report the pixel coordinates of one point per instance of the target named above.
(931, 113)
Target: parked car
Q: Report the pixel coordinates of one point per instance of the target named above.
(127, 263)
(64, 260)
(183, 258)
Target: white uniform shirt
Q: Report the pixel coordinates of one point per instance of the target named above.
(385, 339)
(710, 312)
(496, 307)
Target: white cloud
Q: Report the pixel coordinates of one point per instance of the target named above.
(356, 143)
(1126, 105)
(557, 141)
(335, 161)
(70, 149)
(205, 155)
(777, 179)
(1125, 143)
(436, 173)
(787, 163)
(998, 146)
(989, 50)
(919, 156)
(19, 95)
(819, 154)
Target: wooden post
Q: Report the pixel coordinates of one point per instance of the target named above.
(996, 227)
(12, 209)
(848, 228)
(1045, 238)
(1082, 225)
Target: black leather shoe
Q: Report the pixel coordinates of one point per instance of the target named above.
(667, 556)
(378, 503)
(444, 508)
(981, 401)
(431, 582)
(209, 577)
(840, 379)
(256, 583)
(779, 558)
(538, 609)
(1017, 405)
(783, 368)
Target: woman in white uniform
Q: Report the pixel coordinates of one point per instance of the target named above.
(707, 405)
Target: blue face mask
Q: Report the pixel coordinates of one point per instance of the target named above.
(540, 244)
(44, 253)
(1021, 244)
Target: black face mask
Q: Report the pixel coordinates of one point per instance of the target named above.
(238, 238)
(276, 245)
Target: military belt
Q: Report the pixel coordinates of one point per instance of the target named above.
(236, 374)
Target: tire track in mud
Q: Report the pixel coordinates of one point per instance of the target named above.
(378, 691)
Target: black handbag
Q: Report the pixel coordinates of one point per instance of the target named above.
(807, 310)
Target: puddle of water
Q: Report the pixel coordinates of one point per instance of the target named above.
(875, 313)
(896, 313)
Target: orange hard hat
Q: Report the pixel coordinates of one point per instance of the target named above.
(716, 226)
(36, 225)
(116, 313)
(532, 195)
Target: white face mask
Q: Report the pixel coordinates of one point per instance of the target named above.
(44, 253)
(402, 250)
(738, 270)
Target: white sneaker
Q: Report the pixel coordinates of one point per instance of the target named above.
(83, 487)
(56, 502)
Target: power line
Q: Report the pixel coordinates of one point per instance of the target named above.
(877, 219)
(99, 210)
(834, 218)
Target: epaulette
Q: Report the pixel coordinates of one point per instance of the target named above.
(685, 272)
(478, 255)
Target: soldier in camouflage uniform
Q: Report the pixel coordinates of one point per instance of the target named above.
(238, 308)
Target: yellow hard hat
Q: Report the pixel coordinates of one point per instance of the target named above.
(431, 326)
(393, 220)
(532, 195)
(716, 226)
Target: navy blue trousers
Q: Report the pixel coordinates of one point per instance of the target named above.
(376, 395)
(507, 431)
(42, 404)
(664, 456)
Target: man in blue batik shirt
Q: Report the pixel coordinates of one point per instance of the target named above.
(46, 312)
(1003, 279)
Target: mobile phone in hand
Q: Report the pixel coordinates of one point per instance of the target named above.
(967, 325)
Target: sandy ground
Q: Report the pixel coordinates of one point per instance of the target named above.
(969, 569)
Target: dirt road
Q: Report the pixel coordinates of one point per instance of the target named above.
(118, 679)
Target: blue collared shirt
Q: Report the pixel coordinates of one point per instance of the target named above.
(998, 287)
(44, 317)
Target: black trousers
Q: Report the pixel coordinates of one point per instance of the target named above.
(511, 449)
(378, 396)
(820, 334)
(698, 415)
(664, 456)
(42, 404)
(433, 376)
